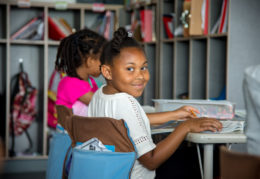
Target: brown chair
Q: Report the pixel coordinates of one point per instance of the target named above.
(64, 117)
(81, 129)
(234, 165)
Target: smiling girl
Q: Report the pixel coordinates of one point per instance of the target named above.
(125, 68)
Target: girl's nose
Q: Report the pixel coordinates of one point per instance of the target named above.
(140, 75)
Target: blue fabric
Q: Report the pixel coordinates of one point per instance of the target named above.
(59, 146)
(101, 165)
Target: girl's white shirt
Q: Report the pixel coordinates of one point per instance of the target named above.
(125, 106)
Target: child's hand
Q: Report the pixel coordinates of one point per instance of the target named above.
(187, 112)
(203, 124)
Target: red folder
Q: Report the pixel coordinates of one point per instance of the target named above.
(223, 15)
(146, 25)
(205, 32)
(167, 21)
(55, 32)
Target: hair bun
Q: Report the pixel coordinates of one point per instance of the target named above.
(119, 37)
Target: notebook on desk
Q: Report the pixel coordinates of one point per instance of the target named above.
(228, 126)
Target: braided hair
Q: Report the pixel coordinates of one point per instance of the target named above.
(76, 48)
(112, 48)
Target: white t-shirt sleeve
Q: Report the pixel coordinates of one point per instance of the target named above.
(138, 124)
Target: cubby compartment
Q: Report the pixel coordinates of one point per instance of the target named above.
(32, 59)
(217, 67)
(166, 70)
(198, 69)
(181, 68)
(25, 16)
(2, 22)
(168, 18)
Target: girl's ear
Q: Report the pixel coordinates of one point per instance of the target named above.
(106, 72)
(89, 61)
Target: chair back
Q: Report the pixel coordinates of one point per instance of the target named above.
(96, 164)
(234, 165)
(64, 117)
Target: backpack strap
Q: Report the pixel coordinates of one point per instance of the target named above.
(52, 78)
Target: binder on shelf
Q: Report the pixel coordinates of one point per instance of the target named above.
(223, 17)
(109, 26)
(214, 30)
(196, 18)
(112, 25)
(61, 26)
(168, 21)
(55, 32)
(33, 30)
(146, 17)
(153, 24)
(58, 28)
(205, 16)
(105, 24)
(136, 26)
(66, 25)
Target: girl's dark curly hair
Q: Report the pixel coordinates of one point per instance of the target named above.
(120, 40)
(76, 48)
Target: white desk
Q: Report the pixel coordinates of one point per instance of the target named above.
(208, 140)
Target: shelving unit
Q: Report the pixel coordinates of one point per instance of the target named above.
(204, 66)
(191, 59)
(38, 60)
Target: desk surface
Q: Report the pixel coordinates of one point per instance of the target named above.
(232, 137)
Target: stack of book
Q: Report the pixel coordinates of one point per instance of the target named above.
(33, 30)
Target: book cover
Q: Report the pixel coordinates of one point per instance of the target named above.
(168, 25)
(55, 32)
(146, 17)
(206, 18)
(223, 16)
(107, 25)
(196, 18)
(66, 25)
(24, 29)
(224, 29)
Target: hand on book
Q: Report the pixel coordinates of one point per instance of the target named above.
(203, 124)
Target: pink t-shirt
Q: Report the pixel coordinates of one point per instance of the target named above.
(70, 89)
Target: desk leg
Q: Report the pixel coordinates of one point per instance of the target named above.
(208, 161)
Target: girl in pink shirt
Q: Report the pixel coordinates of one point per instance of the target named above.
(78, 56)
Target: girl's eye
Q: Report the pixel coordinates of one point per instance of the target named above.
(130, 69)
(144, 68)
